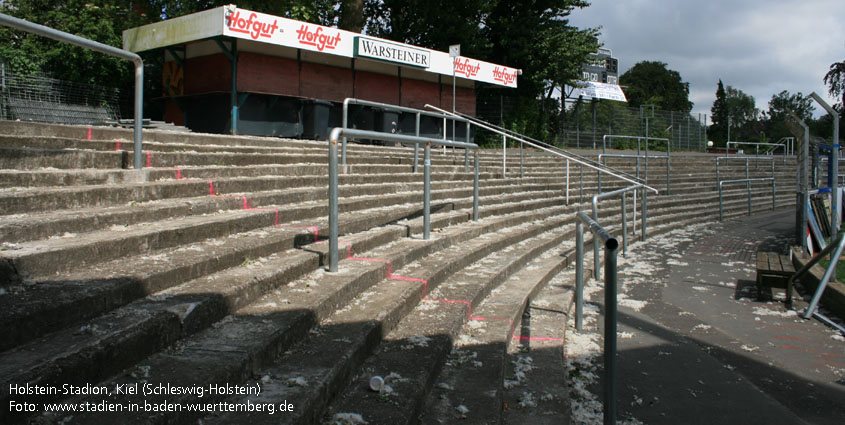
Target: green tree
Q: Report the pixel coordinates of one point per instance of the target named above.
(835, 80)
(779, 107)
(719, 115)
(742, 113)
(650, 82)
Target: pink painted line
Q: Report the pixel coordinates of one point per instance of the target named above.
(276, 220)
(211, 187)
(149, 159)
(178, 174)
(537, 338)
(117, 146)
(89, 133)
(246, 205)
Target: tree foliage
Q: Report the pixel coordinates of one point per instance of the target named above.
(835, 80)
(653, 83)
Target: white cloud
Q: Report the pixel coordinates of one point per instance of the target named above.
(758, 46)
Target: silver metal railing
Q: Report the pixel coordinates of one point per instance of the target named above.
(624, 213)
(787, 147)
(27, 26)
(746, 158)
(557, 152)
(517, 137)
(611, 248)
(748, 185)
(417, 112)
(335, 137)
(639, 140)
(638, 157)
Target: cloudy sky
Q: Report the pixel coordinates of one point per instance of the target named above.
(758, 46)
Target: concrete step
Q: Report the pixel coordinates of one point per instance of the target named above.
(263, 328)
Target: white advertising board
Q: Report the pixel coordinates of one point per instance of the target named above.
(596, 90)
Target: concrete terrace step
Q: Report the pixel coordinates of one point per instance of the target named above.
(30, 311)
(414, 352)
(474, 374)
(292, 302)
(118, 339)
(309, 202)
(328, 370)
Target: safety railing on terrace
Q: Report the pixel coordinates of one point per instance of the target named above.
(335, 137)
(748, 185)
(747, 169)
(417, 112)
(611, 249)
(48, 32)
(638, 156)
(603, 156)
(568, 156)
(787, 145)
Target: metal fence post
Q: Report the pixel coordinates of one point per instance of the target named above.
(624, 225)
(720, 201)
(567, 182)
(416, 145)
(466, 151)
(427, 196)
(344, 125)
(596, 259)
(748, 186)
(333, 218)
(579, 275)
(610, 318)
(644, 214)
(475, 190)
(520, 160)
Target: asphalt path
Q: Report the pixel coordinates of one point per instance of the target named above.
(696, 346)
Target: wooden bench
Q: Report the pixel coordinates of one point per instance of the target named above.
(774, 271)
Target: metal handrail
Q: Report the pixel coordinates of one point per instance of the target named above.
(336, 134)
(748, 184)
(514, 134)
(639, 140)
(719, 158)
(666, 157)
(757, 147)
(611, 248)
(566, 156)
(595, 203)
(418, 112)
(48, 32)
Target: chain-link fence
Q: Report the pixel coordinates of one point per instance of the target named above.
(43, 99)
(585, 123)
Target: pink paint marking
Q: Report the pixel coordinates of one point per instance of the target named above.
(149, 159)
(789, 338)
(246, 205)
(537, 338)
(89, 133)
(211, 187)
(178, 174)
(117, 146)
(412, 279)
(276, 220)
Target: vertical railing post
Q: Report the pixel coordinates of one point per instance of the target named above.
(345, 124)
(644, 214)
(520, 160)
(475, 190)
(567, 182)
(610, 318)
(596, 259)
(720, 201)
(579, 274)
(427, 196)
(581, 177)
(774, 195)
(669, 167)
(748, 186)
(624, 225)
(333, 218)
(504, 156)
(466, 151)
(417, 145)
